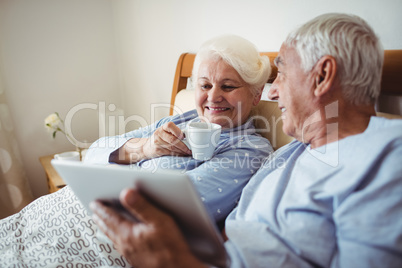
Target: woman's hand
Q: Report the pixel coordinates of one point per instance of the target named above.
(166, 140)
(154, 241)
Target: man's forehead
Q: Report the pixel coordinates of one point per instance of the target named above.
(280, 59)
(287, 56)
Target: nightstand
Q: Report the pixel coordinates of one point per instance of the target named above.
(54, 181)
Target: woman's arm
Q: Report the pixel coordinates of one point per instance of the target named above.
(101, 150)
(166, 140)
(220, 181)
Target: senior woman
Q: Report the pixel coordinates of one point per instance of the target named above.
(228, 77)
(56, 231)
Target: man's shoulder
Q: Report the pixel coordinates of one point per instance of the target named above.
(377, 122)
(384, 129)
(380, 143)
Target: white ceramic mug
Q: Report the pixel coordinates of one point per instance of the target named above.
(202, 139)
(68, 156)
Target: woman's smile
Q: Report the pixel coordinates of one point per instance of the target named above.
(222, 96)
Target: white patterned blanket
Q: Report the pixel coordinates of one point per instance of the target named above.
(55, 231)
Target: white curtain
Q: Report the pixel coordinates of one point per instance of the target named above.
(15, 192)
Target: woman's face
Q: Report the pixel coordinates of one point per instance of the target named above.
(221, 95)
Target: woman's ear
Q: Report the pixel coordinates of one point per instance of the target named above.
(325, 71)
(257, 96)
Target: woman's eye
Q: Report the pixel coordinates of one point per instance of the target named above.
(205, 87)
(228, 88)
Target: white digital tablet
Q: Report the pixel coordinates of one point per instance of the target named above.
(171, 191)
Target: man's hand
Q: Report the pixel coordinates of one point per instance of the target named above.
(154, 241)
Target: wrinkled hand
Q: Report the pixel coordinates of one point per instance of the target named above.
(154, 241)
(166, 140)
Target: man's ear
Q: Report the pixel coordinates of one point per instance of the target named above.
(325, 71)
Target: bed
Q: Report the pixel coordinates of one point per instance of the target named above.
(55, 230)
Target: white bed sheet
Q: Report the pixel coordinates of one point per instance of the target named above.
(55, 231)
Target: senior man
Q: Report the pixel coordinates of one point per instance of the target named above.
(332, 197)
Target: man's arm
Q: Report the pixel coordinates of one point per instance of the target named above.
(154, 241)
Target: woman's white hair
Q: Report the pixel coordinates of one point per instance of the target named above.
(239, 53)
(355, 47)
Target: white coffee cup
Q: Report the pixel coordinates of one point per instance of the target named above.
(68, 156)
(202, 139)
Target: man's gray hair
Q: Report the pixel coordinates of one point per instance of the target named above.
(239, 53)
(354, 45)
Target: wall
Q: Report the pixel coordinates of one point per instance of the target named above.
(56, 54)
(152, 34)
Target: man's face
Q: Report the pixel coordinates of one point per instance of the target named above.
(293, 88)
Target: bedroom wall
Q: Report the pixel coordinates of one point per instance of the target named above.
(54, 56)
(152, 34)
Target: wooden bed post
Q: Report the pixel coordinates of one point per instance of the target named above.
(183, 72)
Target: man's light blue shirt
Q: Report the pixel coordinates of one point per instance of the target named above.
(339, 205)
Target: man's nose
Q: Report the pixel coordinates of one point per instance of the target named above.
(273, 92)
(215, 94)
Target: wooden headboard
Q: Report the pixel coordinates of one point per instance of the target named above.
(391, 77)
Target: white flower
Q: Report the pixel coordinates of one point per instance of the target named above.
(52, 122)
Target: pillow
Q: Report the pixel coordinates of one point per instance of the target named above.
(184, 101)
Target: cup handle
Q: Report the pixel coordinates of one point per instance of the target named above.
(185, 141)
